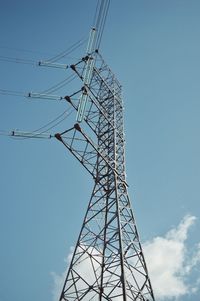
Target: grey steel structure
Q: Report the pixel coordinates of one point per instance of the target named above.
(108, 262)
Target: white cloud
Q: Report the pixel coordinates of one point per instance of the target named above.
(84, 268)
(58, 284)
(170, 263)
(59, 279)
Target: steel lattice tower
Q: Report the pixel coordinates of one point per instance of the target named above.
(108, 261)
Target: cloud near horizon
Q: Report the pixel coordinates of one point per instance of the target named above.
(170, 263)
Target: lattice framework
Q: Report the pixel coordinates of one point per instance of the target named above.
(108, 261)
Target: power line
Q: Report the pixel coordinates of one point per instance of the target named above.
(67, 51)
(103, 21)
(60, 84)
(24, 50)
(42, 132)
(15, 134)
(54, 88)
(67, 112)
(96, 13)
(16, 60)
(11, 92)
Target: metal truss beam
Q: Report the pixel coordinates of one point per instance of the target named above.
(108, 261)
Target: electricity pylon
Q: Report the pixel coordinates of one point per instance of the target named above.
(108, 262)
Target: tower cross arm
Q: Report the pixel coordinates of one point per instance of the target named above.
(86, 151)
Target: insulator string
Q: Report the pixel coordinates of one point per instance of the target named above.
(50, 90)
(55, 58)
(44, 129)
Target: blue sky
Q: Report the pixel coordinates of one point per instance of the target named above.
(153, 48)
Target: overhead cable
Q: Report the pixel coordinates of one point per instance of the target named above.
(67, 51)
(16, 60)
(101, 20)
(60, 84)
(11, 92)
(40, 132)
